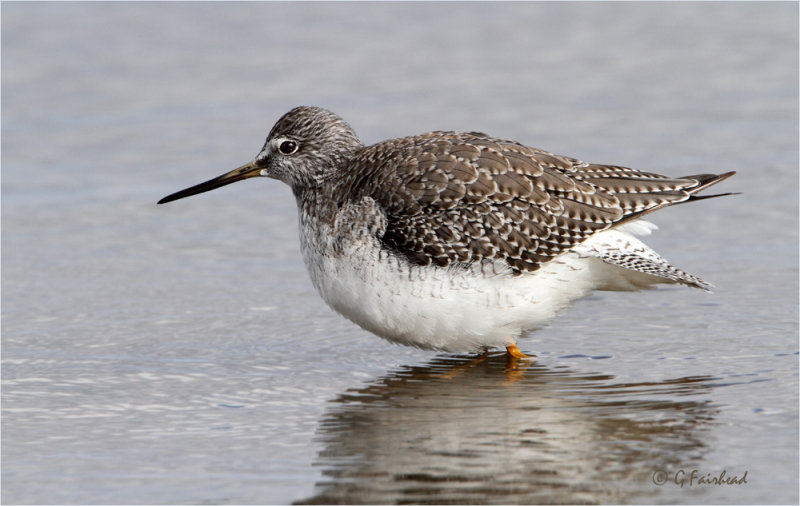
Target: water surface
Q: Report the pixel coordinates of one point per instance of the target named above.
(179, 354)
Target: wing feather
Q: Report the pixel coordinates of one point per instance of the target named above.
(459, 198)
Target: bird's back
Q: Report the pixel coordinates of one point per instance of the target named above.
(460, 198)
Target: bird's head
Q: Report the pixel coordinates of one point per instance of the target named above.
(304, 148)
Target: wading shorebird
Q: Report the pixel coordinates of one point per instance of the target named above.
(461, 241)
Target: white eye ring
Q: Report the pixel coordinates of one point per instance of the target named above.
(287, 146)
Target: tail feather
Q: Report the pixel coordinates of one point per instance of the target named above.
(639, 196)
(688, 192)
(642, 265)
(706, 180)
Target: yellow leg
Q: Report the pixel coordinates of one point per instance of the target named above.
(512, 350)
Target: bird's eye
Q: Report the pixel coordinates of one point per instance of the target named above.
(288, 147)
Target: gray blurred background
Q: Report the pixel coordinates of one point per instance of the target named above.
(179, 354)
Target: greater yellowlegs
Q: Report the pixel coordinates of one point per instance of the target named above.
(460, 241)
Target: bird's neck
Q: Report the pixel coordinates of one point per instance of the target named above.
(316, 203)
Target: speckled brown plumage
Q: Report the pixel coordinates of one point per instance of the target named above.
(459, 198)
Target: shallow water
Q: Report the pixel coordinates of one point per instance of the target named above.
(179, 354)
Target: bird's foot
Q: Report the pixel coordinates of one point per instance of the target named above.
(514, 352)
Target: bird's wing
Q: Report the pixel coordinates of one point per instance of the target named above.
(460, 198)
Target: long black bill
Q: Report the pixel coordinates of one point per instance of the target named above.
(243, 172)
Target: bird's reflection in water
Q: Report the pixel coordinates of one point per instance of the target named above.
(467, 431)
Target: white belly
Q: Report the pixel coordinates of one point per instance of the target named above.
(449, 309)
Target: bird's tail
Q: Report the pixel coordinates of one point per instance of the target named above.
(685, 189)
(706, 180)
